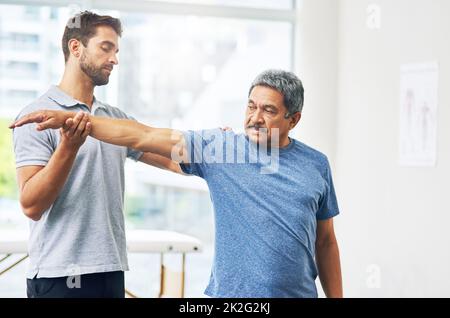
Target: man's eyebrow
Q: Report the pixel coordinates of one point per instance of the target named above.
(250, 101)
(271, 106)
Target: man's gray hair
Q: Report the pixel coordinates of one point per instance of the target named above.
(287, 83)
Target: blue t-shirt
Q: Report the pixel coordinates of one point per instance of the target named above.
(265, 219)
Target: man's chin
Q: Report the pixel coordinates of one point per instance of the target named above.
(101, 82)
(257, 138)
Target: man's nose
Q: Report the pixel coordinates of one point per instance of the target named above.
(258, 116)
(113, 59)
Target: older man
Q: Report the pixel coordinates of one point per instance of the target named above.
(273, 196)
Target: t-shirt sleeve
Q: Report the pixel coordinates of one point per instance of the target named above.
(328, 205)
(32, 147)
(204, 147)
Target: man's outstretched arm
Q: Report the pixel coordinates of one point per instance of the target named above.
(161, 162)
(165, 142)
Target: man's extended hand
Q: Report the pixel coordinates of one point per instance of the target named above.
(75, 131)
(46, 119)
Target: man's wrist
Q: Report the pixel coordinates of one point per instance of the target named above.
(66, 116)
(68, 148)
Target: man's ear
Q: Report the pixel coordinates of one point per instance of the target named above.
(75, 47)
(294, 119)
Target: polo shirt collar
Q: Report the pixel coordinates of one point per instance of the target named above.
(65, 100)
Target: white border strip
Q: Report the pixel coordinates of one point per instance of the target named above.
(169, 8)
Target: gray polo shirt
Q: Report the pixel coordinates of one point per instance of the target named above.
(83, 231)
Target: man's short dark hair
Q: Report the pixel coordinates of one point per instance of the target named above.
(83, 26)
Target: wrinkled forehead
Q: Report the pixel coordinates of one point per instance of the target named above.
(265, 95)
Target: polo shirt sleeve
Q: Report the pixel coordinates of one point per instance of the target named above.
(328, 205)
(32, 147)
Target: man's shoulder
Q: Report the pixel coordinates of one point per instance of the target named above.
(209, 134)
(217, 137)
(218, 132)
(42, 102)
(311, 153)
(25, 132)
(112, 111)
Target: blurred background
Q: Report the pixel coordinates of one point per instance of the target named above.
(188, 64)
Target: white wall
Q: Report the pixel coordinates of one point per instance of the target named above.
(393, 219)
(316, 43)
(316, 65)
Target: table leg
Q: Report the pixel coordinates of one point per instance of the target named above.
(13, 265)
(183, 274)
(130, 294)
(161, 279)
(7, 256)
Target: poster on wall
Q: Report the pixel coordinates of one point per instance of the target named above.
(418, 114)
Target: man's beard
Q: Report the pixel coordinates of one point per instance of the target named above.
(95, 74)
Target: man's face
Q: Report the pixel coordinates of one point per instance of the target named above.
(265, 112)
(100, 55)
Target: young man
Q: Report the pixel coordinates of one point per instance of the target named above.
(273, 218)
(71, 185)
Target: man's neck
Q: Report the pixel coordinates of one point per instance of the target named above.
(284, 143)
(78, 85)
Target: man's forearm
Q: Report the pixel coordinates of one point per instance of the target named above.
(329, 266)
(122, 132)
(129, 133)
(41, 190)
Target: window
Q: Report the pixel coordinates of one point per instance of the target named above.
(181, 70)
(21, 41)
(22, 69)
(266, 4)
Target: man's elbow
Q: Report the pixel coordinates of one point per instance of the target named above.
(327, 243)
(35, 216)
(32, 212)
(139, 145)
(142, 141)
(175, 167)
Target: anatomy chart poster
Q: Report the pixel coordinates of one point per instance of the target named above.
(418, 114)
